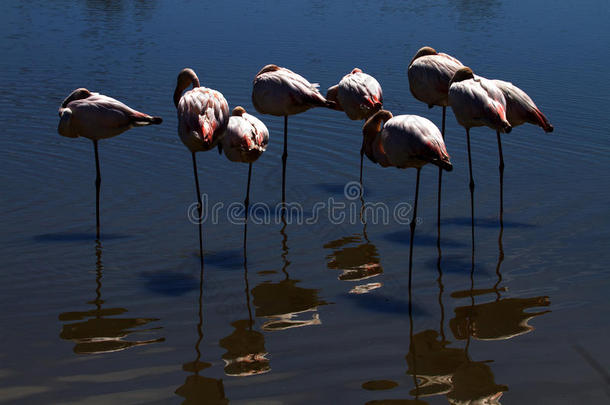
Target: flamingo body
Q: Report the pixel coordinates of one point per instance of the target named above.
(520, 108)
(429, 75)
(358, 94)
(477, 101)
(281, 92)
(405, 141)
(203, 117)
(95, 116)
(246, 137)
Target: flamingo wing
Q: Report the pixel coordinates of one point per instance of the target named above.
(203, 116)
(282, 92)
(246, 138)
(520, 108)
(360, 95)
(413, 141)
(99, 116)
(477, 102)
(429, 78)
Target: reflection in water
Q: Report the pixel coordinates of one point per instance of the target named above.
(501, 319)
(438, 369)
(285, 302)
(96, 332)
(356, 257)
(198, 389)
(245, 347)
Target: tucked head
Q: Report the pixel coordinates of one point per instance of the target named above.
(268, 68)
(464, 73)
(77, 94)
(238, 111)
(424, 51)
(356, 70)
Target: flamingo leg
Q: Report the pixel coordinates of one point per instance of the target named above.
(469, 160)
(98, 182)
(413, 222)
(284, 158)
(501, 176)
(361, 160)
(247, 200)
(440, 177)
(199, 204)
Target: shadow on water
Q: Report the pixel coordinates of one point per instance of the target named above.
(486, 223)
(246, 354)
(99, 330)
(198, 389)
(170, 283)
(284, 303)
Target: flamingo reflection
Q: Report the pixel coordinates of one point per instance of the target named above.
(246, 354)
(198, 389)
(99, 330)
(357, 259)
(284, 303)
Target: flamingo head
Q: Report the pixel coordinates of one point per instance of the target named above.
(356, 70)
(186, 77)
(77, 94)
(238, 111)
(461, 74)
(268, 68)
(331, 95)
(423, 51)
(372, 127)
(64, 128)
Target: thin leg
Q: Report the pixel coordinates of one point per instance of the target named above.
(98, 182)
(361, 160)
(284, 157)
(413, 222)
(200, 212)
(247, 200)
(440, 181)
(199, 204)
(469, 160)
(501, 175)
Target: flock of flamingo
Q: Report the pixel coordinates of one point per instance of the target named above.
(401, 141)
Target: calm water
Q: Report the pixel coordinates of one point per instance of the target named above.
(320, 314)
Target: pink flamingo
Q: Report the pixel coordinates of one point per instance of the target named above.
(477, 102)
(520, 108)
(203, 117)
(360, 96)
(281, 92)
(404, 141)
(429, 75)
(245, 141)
(95, 116)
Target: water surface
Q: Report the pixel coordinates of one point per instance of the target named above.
(320, 313)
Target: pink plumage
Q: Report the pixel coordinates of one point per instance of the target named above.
(203, 113)
(95, 116)
(358, 94)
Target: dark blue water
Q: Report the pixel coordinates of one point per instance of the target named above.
(322, 307)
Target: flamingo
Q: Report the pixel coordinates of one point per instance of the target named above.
(245, 141)
(477, 102)
(429, 75)
(360, 96)
(405, 141)
(95, 116)
(520, 109)
(203, 117)
(281, 92)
